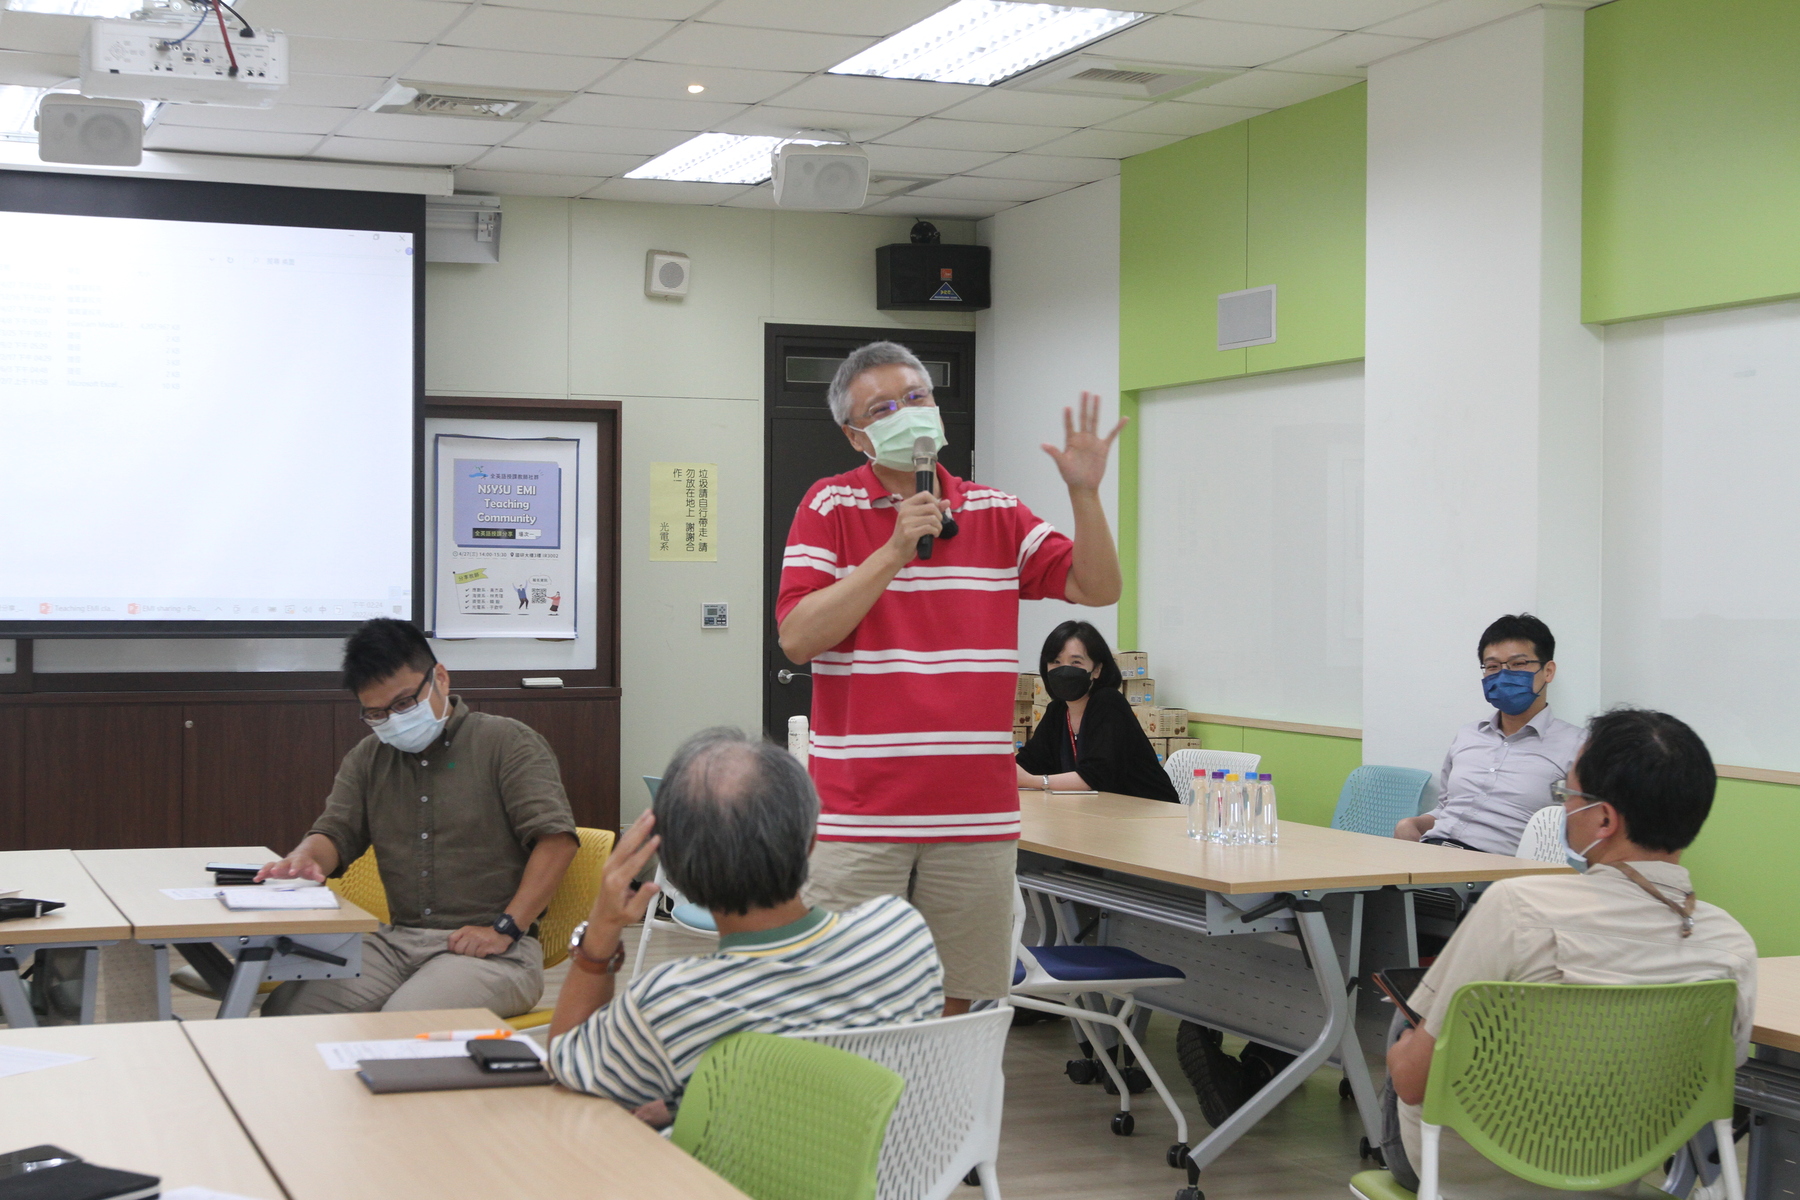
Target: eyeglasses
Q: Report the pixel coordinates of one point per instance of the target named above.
(1511, 664)
(917, 398)
(405, 704)
(1564, 793)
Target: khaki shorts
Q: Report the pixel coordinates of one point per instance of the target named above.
(964, 890)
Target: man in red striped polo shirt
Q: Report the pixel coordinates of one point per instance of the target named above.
(914, 662)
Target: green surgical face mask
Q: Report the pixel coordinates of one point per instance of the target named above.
(893, 436)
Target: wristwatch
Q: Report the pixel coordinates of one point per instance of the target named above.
(594, 966)
(505, 924)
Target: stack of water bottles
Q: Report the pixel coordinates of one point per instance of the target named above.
(1233, 809)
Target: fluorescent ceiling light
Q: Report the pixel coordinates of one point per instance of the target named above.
(985, 41)
(19, 107)
(717, 158)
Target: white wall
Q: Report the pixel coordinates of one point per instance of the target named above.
(1483, 414)
(1052, 333)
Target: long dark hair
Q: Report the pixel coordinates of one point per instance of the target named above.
(1097, 650)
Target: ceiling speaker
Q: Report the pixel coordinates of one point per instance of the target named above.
(99, 133)
(831, 177)
(666, 274)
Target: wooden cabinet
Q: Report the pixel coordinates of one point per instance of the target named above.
(254, 774)
(101, 776)
(12, 777)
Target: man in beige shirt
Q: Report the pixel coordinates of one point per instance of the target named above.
(1636, 798)
(471, 829)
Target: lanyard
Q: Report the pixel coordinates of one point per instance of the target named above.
(1074, 753)
(1684, 910)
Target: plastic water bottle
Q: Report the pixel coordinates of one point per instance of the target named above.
(1268, 832)
(799, 739)
(1215, 807)
(1196, 807)
(1237, 809)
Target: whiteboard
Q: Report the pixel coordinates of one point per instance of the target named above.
(1702, 564)
(1250, 545)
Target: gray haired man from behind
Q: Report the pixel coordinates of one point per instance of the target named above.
(734, 821)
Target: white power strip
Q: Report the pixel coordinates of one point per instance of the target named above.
(138, 60)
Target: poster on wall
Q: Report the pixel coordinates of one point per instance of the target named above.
(505, 519)
(683, 512)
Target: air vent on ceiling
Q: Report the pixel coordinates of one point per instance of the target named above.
(422, 99)
(1092, 75)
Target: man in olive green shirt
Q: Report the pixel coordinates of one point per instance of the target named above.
(471, 830)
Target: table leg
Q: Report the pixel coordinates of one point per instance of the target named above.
(252, 963)
(90, 982)
(165, 1003)
(15, 1001)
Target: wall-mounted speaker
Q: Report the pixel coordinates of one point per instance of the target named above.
(929, 276)
(832, 177)
(98, 133)
(666, 274)
(1247, 318)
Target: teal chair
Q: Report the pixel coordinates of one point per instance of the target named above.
(1375, 799)
(785, 1119)
(1579, 1088)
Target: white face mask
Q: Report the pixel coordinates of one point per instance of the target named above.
(414, 729)
(1578, 858)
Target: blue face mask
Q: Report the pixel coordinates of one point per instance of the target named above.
(1509, 691)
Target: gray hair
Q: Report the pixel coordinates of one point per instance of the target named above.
(865, 358)
(736, 816)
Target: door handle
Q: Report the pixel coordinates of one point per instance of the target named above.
(786, 676)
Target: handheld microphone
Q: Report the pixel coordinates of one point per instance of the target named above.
(924, 475)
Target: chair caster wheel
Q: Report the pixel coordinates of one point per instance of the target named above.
(1081, 1070)
(1123, 1123)
(1344, 1092)
(1177, 1157)
(973, 1178)
(1189, 1193)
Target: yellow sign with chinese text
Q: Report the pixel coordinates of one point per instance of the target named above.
(684, 512)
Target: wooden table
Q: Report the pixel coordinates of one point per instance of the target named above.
(1229, 938)
(328, 1138)
(142, 1102)
(87, 920)
(1769, 1083)
(235, 951)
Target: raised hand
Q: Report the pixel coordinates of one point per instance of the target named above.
(1082, 459)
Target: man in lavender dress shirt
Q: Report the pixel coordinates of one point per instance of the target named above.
(1500, 768)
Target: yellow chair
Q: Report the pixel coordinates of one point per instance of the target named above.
(361, 885)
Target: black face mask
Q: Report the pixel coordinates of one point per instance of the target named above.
(1067, 683)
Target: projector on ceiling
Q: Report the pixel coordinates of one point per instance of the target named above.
(150, 60)
(832, 177)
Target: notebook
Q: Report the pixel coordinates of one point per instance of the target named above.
(261, 899)
(384, 1075)
(51, 1173)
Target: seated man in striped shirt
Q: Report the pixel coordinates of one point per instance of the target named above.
(734, 820)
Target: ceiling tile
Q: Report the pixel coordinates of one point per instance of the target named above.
(1312, 14)
(972, 135)
(507, 68)
(387, 21)
(228, 141)
(1268, 89)
(1199, 42)
(405, 127)
(772, 49)
(1049, 167)
(669, 81)
(511, 183)
(919, 161)
(638, 112)
(283, 118)
(37, 70)
(761, 196)
(1183, 119)
(915, 205)
(1451, 16)
(1107, 143)
(1347, 55)
(769, 121)
(558, 162)
(43, 33)
(877, 18)
(864, 93)
(555, 32)
(672, 10)
(336, 56)
(1039, 108)
(598, 139)
(333, 91)
(666, 191)
(421, 154)
(968, 187)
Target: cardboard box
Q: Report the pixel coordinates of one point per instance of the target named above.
(1028, 685)
(1037, 714)
(1174, 722)
(1161, 746)
(1133, 664)
(1183, 743)
(1140, 691)
(1146, 719)
(1038, 693)
(1021, 735)
(1022, 712)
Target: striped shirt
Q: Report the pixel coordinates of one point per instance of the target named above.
(912, 713)
(874, 964)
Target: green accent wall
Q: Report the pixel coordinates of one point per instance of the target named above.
(1692, 156)
(1309, 768)
(1277, 199)
(1128, 521)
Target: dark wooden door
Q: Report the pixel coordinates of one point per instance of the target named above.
(12, 779)
(254, 774)
(802, 444)
(102, 776)
(585, 736)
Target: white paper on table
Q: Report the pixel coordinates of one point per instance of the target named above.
(290, 885)
(6, 891)
(16, 1060)
(199, 893)
(200, 1193)
(258, 899)
(344, 1056)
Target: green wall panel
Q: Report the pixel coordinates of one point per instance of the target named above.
(1128, 522)
(1181, 243)
(1307, 171)
(1309, 770)
(1692, 156)
(1217, 737)
(1743, 861)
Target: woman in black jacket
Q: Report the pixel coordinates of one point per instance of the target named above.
(1089, 739)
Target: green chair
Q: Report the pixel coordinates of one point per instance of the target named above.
(1577, 1087)
(785, 1119)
